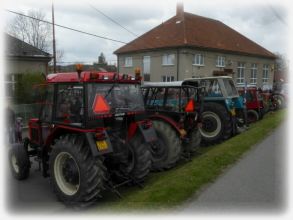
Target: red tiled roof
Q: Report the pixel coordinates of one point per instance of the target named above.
(195, 31)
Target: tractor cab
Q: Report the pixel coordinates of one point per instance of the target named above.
(89, 101)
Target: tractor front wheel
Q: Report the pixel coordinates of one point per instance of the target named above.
(252, 116)
(194, 141)
(136, 163)
(19, 161)
(76, 176)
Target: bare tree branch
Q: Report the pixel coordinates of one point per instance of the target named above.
(32, 31)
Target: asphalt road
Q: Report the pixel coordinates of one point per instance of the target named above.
(255, 184)
(33, 195)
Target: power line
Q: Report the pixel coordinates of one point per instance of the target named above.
(111, 19)
(68, 28)
(277, 15)
(120, 25)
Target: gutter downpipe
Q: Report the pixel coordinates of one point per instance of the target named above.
(177, 64)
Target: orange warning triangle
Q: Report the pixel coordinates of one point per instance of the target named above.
(190, 106)
(100, 105)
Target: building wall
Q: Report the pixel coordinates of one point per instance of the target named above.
(26, 66)
(188, 70)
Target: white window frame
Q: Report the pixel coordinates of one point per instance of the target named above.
(198, 59)
(265, 74)
(168, 59)
(253, 74)
(241, 73)
(146, 61)
(168, 78)
(221, 61)
(128, 62)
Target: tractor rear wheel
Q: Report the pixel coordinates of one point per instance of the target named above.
(252, 116)
(136, 163)
(76, 176)
(216, 123)
(19, 161)
(166, 151)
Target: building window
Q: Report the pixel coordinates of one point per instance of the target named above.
(265, 74)
(168, 59)
(240, 73)
(220, 61)
(253, 73)
(198, 60)
(146, 64)
(128, 61)
(167, 78)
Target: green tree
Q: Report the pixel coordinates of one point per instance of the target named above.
(24, 87)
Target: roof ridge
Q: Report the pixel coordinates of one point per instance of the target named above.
(196, 15)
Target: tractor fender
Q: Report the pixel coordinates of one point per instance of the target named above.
(168, 120)
(148, 132)
(89, 137)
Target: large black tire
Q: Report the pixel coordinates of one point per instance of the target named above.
(252, 116)
(167, 150)
(280, 101)
(19, 161)
(262, 112)
(194, 141)
(137, 162)
(216, 123)
(76, 176)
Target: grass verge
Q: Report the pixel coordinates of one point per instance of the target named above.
(170, 188)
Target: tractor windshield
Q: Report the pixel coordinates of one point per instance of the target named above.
(114, 98)
(230, 88)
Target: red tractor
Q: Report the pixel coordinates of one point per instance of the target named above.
(92, 128)
(254, 103)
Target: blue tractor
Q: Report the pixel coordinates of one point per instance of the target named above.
(223, 112)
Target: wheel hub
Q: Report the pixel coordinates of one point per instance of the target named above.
(67, 174)
(14, 163)
(158, 149)
(209, 124)
(70, 171)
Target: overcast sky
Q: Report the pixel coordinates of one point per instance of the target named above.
(264, 22)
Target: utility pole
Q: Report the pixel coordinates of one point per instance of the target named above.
(54, 43)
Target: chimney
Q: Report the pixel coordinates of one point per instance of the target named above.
(180, 11)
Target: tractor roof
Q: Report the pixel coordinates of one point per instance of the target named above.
(169, 84)
(163, 84)
(92, 76)
(208, 77)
